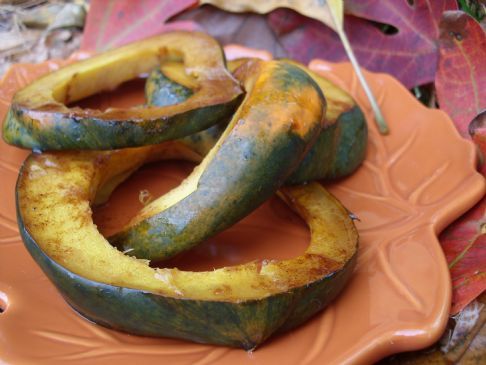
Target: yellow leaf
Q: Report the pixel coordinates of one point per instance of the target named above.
(329, 12)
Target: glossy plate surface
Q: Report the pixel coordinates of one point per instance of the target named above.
(413, 183)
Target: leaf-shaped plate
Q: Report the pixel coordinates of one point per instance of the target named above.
(413, 183)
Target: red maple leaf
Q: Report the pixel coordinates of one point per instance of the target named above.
(461, 76)
(464, 244)
(410, 54)
(113, 23)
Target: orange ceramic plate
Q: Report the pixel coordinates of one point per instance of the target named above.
(413, 183)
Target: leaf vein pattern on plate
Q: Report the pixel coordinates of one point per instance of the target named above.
(402, 288)
(414, 197)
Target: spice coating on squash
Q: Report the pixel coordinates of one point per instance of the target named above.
(279, 119)
(53, 195)
(40, 119)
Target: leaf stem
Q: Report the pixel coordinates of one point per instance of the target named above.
(463, 253)
(379, 119)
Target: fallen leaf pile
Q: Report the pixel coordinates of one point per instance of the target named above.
(38, 30)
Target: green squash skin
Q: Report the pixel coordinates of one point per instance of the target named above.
(352, 142)
(260, 160)
(245, 324)
(162, 91)
(96, 134)
(338, 152)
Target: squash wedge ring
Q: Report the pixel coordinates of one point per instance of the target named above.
(40, 119)
(279, 119)
(238, 306)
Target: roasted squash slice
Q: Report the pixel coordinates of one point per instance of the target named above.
(237, 306)
(279, 119)
(39, 117)
(339, 150)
